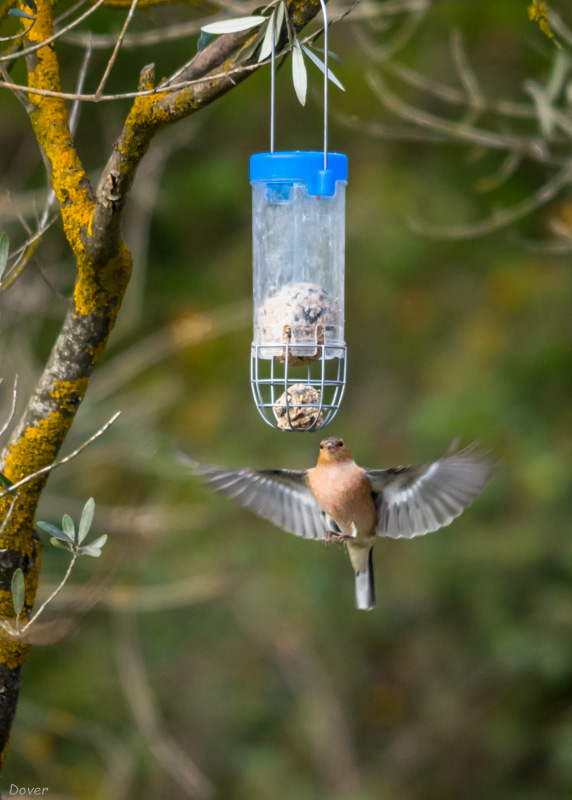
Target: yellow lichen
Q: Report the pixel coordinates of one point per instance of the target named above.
(100, 291)
(51, 126)
(539, 12)
(36, 448)
(13, 652)
(69, 393)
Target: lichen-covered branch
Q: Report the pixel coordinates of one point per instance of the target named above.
(151, 113)
(91, 224)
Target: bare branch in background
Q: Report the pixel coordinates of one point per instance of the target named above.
(118, 43)
(534, 148)
(146, 714)
(104, 41)
(504, 129)
(499, 219)
(26, 51)
(322, 719)
(475, 99)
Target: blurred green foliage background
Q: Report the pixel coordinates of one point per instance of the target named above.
(207, 650)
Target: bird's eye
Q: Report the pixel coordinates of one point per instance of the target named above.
(321, 447)
(340, 444)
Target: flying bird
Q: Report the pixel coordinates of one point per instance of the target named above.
(341, 502)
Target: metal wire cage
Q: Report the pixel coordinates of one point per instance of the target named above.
(302, 388)
(298, 354)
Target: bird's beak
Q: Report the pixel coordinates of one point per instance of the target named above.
(330, 445)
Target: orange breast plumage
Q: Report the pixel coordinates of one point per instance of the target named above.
(344, 493)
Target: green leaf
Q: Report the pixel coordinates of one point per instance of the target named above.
(18, 591)
(60, 545)
(320, 64)
(90, 550)
(5, 482)
(299, 74)
(47, 527)
(234, 25)
(17, 12)
(99, 542)
(280, 11)
(269, 33)
(204, 40)
(331, 54)
(86, 520)
(4, 250)
(68, 527)
(250, 49)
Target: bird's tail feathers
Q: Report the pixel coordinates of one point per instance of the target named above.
(365, 586)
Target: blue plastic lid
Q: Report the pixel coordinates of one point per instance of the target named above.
(301, 165)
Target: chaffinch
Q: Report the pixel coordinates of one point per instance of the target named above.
(339, 501)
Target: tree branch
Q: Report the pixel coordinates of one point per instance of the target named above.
(92, 227)
(150, 114)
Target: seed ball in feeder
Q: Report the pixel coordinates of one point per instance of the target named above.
(299, 313)
(303, 405)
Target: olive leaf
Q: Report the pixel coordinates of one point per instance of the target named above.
(250, 49)
(5, 482)
(269, 37)
(18, 591)
(56, 533)
(94, 548)
(86, 520)
(234, 25)
(299, 74)
(320, 64)
(204, 40)
(60, 544)
(17, 12)
(4, 250)
(68, 527)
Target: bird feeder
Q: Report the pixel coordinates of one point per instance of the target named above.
(298, 354)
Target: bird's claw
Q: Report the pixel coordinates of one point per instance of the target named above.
(335, 538)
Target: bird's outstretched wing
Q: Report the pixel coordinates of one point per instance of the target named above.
(279, 495)
(412, 501)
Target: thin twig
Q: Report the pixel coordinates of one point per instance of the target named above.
(135, 684)
(465, 73)
(56, 591)
(510, 164)
(389, 132)
(50, 467)
(74, 115)
(534, 148)
(21, 96)
(24, 252)
(559, 227)
(6, 519)
(106, 41)
(69, 11)
(404, 34)
(33, 48)
(20, 34)
(115, 53)
(4, 427)
(454, 96)
(547, 114)
(500, 219)
(162, 89)
(560, 27)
